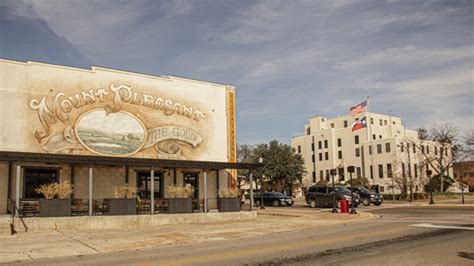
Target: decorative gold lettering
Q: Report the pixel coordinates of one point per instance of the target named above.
(57, 107)
(168, 107)
(135, 98)
(159, 103)
(88, 96)
(46, 117)
(147, 100)
(187, 111)
(118, 97)
(198, 115)
(76, 100)
(178, 108)
(100, 93)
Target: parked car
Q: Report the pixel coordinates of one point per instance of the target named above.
(323, 196)
(273, 199)
(368, 197)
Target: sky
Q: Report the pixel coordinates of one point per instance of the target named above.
(289, 60)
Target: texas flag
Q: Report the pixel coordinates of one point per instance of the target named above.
(359, 124)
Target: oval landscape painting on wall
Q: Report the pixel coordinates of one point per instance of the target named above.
(118, 134)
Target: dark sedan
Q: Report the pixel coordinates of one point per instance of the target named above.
(368, 197)
(273, 199)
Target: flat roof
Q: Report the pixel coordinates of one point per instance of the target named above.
(120, 161)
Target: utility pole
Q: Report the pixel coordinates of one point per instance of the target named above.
(409, 172)
(350, 169)
(334, 205)
(428, 173)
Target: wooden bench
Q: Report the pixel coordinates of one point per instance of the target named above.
(79, 207)
(29, 208)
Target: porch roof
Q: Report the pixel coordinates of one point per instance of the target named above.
(119, 161)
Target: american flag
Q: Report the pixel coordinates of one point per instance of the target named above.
(361, 107)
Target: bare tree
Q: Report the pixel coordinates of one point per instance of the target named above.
(465, 154)
(445, 138)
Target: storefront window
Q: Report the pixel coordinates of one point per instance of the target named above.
(35, 177)
(144, 185)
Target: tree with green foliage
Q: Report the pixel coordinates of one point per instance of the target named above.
(435, 184)
(244, 155)
(282, 166)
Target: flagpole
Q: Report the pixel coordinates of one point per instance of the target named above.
(369, 132)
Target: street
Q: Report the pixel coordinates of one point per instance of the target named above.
(398, 235)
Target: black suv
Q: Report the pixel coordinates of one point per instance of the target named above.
(368, 196)
(273, 199)
(322, 196)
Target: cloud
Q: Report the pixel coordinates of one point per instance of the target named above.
(410, 55)
(289, 60)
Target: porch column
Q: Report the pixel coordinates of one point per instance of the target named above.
(205, 191)
(217, 179)
(251, 190)
(91, 180)
(9, 183)
(71, 177)
(152, 191)
(17, 193)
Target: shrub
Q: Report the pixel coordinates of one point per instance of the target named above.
(178, 191)
(420, 195)
(229, 192)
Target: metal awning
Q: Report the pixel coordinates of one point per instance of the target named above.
(119, 161)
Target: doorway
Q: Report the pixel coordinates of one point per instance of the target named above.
(193, 180)
(144, 185)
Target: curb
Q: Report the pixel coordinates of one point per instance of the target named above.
(278, 214)
(448, 205)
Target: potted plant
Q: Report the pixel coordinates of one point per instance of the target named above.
(180, 199)
(124, 201)
(51, 206)
(229, 200)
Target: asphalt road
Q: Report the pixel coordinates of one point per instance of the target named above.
(404, 235)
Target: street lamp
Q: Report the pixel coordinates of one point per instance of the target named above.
(351, 169)
(428, 173)
(334, 205)
(260, 160)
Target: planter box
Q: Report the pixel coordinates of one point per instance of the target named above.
(54, 207)
(180, 205)
(228, 204)
(122, 206)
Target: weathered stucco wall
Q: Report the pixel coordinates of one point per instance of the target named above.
(56, 109)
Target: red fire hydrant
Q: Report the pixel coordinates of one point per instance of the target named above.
(344, 206)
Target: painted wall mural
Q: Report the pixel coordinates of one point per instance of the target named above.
(119, 133)
(110, 130)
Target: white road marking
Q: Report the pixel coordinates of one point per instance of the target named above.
(443, 226)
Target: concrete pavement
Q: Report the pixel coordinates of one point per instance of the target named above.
(48, 244)
(390, 239)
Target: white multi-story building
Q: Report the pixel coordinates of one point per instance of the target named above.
(384, 152)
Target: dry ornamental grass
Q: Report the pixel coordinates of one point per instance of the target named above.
(229, 192)
(177, 191)
(126, 191)
(62, 190)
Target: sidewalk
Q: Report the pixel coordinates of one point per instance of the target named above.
(34, 245)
